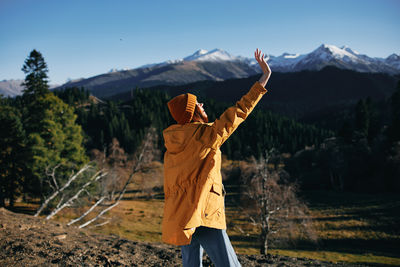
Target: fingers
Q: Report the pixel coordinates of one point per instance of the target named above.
(260, 58)
(257, 55)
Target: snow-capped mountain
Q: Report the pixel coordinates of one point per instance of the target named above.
(325, 55)
(284, 62)
(219, 65)
(196, 55)
(213, 55)
(330, 55)
(200, 55)
(168, 73)
(393, 60)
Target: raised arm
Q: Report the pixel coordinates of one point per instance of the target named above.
(227, 123)
(264, 67)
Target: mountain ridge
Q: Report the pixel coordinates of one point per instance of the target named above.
(299, 95)
(217, 65)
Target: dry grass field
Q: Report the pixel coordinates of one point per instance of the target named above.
(364, 232)
(353, 228)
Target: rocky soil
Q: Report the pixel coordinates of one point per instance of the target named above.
(29, 241)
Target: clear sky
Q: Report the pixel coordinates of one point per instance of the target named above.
(82, 38)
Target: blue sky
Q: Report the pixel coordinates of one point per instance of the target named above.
(85, 38)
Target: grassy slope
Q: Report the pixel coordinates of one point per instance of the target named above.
(356, 227)
(350, 227)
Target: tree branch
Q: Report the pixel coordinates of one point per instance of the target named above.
(121, 194)
(95, 177)
(88, 211)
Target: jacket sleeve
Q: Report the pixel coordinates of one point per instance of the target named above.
(227, 123)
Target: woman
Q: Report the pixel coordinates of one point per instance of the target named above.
(194, 213)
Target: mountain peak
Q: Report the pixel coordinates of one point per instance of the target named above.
(327, 52)
(393, 57)
(216, 50)
(393, 60)
(348, 49)
(328, 48)
(196, 55)
(213, 55)
(200, 52)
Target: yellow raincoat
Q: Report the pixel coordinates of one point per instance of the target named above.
(194, 194)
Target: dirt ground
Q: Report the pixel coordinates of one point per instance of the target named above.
(29, 241)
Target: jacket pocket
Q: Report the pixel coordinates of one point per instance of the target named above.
(177, 208)
(215, 201)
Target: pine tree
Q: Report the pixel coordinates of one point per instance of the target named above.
(12, 154)
(362, 118)
(53, 137)
(394, 127)
(36, 70)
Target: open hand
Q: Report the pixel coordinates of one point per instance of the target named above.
(261, 61)
(264, 66)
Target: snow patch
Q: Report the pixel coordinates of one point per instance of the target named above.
(69, 80)
(287, 55)
(348, 49)
(213, 55)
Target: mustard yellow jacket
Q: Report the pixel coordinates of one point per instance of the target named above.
(194, 194)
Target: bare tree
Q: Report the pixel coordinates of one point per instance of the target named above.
(61, 205)
(113, 189)
(277, 209)
(111, 180)
(57, 190)
(116, 165)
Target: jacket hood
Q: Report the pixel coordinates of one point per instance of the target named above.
(176, 137)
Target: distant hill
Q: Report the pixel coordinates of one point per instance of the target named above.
(14, 87)
(219, 65)
(11, 87)
(302, 95)
(112, 83)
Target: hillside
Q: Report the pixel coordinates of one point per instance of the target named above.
(30, 241)
(109, 84)
(219, 65)
(297, 94)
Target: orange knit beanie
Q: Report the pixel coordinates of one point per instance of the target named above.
(182, 107)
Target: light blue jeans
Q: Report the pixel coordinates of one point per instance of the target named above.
(217, 245)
